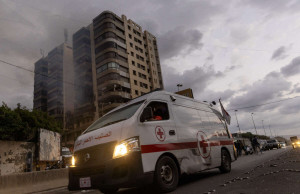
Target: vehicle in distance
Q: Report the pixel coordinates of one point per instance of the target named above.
(66, 157)
(263, 144)
(282, 144)
(152, 139)
(273, 143)
(295, 141)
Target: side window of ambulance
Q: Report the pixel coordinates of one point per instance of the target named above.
(205, 119)
(160, 111)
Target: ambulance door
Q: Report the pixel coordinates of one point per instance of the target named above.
(157, 135)
(216, 138)
(209, 143)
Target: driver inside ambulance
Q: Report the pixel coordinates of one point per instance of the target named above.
(160, 111)
(157, 114)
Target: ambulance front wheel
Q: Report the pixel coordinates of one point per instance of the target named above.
(225, 162)
(166, 175)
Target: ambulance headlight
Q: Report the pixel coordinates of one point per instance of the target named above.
(126, 147)
(73, 161)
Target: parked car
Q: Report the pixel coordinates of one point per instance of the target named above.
(66, 157)
(282, 144)
(263, 144)
(273, 143)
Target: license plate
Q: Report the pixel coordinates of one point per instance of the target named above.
(85, 182)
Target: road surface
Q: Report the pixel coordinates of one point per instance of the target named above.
(262, 173)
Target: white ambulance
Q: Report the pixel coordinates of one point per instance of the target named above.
(152, 139)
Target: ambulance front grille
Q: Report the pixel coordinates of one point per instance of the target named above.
(89, 171)
(94, 156)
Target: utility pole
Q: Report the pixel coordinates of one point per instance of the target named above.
(253, 122)
(271, 131)
(264, 127)
(237, 121)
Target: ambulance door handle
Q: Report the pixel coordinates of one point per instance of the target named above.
(171, 132)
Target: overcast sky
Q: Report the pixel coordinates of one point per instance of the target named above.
(244, 52)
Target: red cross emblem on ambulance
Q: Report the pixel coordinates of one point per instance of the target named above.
(160, 133)
(203, 144)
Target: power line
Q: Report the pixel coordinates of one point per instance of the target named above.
(7, 77)
(34, 72)
(246, 107)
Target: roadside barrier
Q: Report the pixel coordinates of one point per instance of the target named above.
(32, 178)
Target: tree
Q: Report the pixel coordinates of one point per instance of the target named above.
(21, 124)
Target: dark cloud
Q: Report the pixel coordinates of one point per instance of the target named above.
(261, 91)
(179, 41)
(276, 6)
(211, 95)
(293, 68)
(279, 53)
(290, 107)
(197, 78)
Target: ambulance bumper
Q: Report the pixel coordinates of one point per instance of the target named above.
(122, 172)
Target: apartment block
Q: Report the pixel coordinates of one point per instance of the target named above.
(126, 60)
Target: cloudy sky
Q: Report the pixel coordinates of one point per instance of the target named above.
(245, 52)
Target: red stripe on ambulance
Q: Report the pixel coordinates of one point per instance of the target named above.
(179, 146)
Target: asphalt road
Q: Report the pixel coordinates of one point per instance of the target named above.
(246, 171)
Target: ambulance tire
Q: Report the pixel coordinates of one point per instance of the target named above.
(108, 190)
(166, 175)
(225, 162)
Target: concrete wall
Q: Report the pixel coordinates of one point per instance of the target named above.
(49, 149)
(13, 156)
(21, 180)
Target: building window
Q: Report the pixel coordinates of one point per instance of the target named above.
(111, 65)
(107, 45)
(134, 72)
(131, 45)
(136, 92)
(132, 54)
(135, 82)
(130, 36)
(133, 63)
(129, 28)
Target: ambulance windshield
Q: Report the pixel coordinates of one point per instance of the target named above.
(116, 116)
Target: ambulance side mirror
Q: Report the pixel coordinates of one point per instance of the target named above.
(147, 114)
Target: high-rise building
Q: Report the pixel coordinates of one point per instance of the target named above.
(114, 61)
(126, 60)
(85, 103)
(40, 85)
(55, 74)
